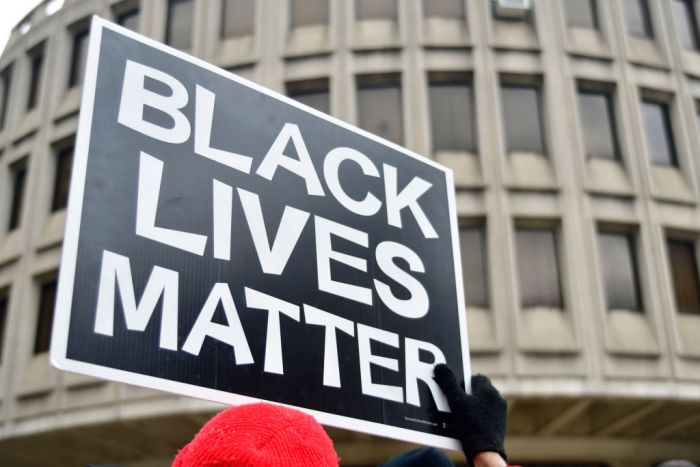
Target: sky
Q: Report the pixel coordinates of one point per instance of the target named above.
(11, 12)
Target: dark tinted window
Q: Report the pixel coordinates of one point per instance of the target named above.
(237, 18)
(620, 273)
(686, 23)
(308, 12)
(638, 18)
(5, 82)
(179, 27)
(538, 268)
(522, 118)
(375, 9)
(581, 13)
(18, 174)
(598, 124)
(379, 106)
(47, 300)
(452, 115)
(443, 8)
(472, 244)
(129, 19)
(4, 300)
(36, 61)
(313, 93)
(684, 272)
(64, 163)
(659, 134)
(79, 57)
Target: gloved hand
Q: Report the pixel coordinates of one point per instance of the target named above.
(479, 418)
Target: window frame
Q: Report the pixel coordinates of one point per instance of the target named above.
(169, 25)
(36, 58)
(666, 105)
(555, 231)
(306, 87)
(631, 238)
(45, 315)
(6, 77)
(647, 21)
(608, 91)
(478, 225)
(379, 81)
(80, 36)
(20, 166)
(455, 79)
(525, 82)
(691, 244)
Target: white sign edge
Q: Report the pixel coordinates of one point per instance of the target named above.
(61, 324)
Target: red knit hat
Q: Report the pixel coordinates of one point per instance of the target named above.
(259, 435)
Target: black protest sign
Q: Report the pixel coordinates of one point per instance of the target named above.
(225, 242)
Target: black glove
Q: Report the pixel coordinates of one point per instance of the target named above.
(479, 418)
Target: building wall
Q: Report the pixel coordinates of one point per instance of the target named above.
(585, 383)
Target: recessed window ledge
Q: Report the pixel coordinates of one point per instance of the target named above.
(445, 32)
(608, 177)
(233, 52)
(70, 103)
(10, 248)
(544, 330)
(481, 327)
(466, 168)
(588, 42)
(308, 40)
(646, 52)
(669, 184)
(52, 233)
(688, 328)
(530, 171)
(38, 377)
(629, 333)
(28, 125)
(376, 34)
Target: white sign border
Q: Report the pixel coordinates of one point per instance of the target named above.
(66, 282)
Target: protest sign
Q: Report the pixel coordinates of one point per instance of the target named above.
(228, 243)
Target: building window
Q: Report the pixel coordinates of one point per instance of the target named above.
(36, 61)
(79, 57)
(444, 9)
(64, 163)
(178, 32)
(313, 93)
(472, 243)
(18, 174)
(379, 106)
(129, 19)
(4, 300)
(5, 82)
(375, 9)
(538, 268)
(47, 300)
(659, 133)
(237, 18)
(686, 23)
(581, 13)
(684, 272)
(452, 113)
(522, 116)
(598, 124)
(620, 270)
(638, 18)
(308, 12)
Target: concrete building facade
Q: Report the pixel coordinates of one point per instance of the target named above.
(572, 129)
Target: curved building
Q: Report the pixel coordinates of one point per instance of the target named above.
(572, 129)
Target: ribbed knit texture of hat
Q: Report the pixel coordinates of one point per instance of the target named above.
(259, 435)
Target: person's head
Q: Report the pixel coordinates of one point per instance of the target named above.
(260, 434)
